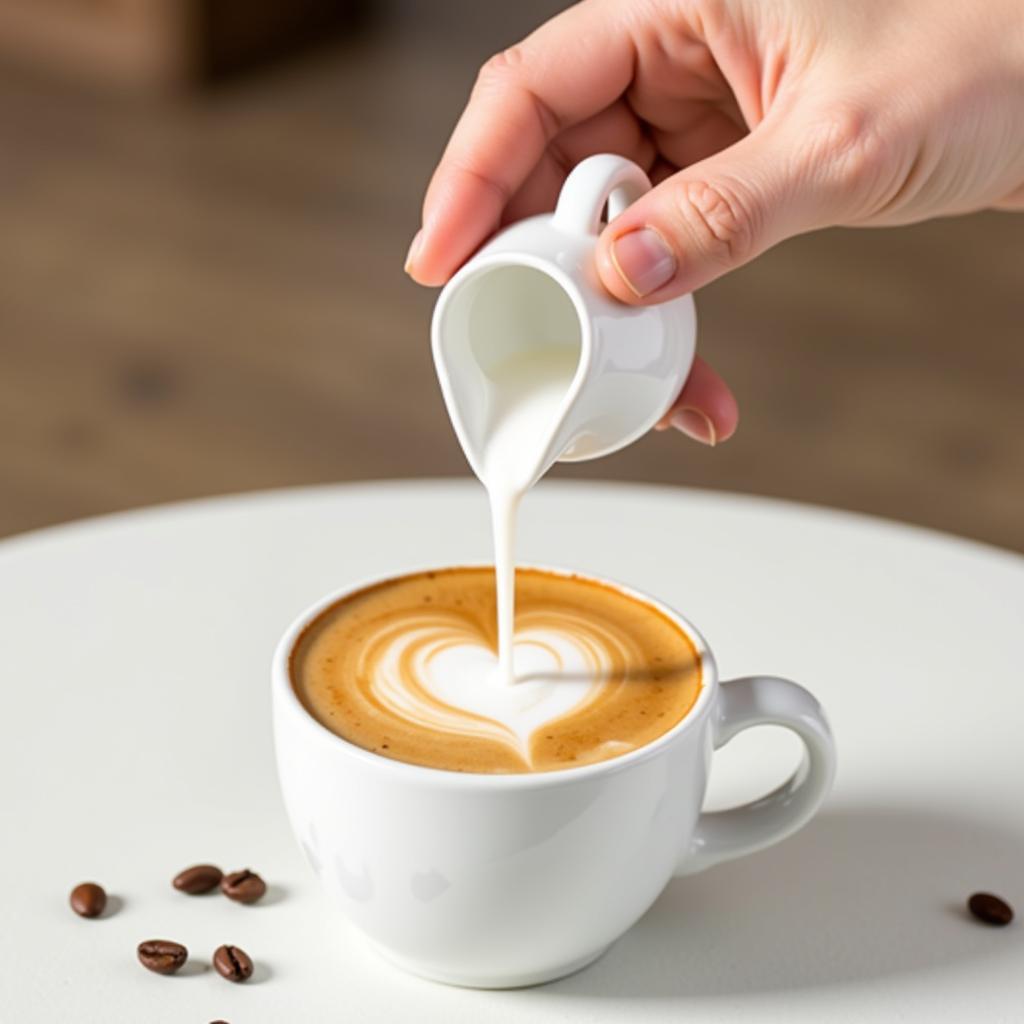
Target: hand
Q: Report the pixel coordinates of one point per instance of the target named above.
(756, 120)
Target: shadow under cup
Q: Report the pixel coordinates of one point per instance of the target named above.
(492, 881)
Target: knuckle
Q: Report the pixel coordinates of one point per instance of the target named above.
(499, 68)
(846, 144)
(719, 219)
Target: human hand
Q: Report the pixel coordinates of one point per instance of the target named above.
(756, 120)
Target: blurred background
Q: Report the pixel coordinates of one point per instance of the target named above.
(204, 210)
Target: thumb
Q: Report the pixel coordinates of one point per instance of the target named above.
(708, 219)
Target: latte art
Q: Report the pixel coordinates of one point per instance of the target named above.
(409, 669)
(437, 672)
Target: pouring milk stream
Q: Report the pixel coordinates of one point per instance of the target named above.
(538, 363)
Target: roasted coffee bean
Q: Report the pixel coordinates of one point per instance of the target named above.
(198, 879)
(88, 899)
(232, 963)
(162, 956)
(243, 886)
(990, 909)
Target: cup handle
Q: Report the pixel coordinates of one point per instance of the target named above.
(765, 700)
(592, 183)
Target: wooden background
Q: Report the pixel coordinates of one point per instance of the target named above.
(206, 295)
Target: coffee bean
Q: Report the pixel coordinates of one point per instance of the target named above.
(162, 956)
(88, 899)
(243, 886)
(232, 963)
(198, 879)
(990, 909)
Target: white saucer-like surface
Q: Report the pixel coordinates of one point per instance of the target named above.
(135, 740)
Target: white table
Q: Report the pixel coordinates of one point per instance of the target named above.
(135, 740)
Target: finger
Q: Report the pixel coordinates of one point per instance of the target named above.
(571, 68)
(717, 214)
(1013, 202)
(706, 408)
(614, 130)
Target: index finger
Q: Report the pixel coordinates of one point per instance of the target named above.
(571, 68)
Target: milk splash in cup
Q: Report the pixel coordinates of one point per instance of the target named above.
(538, 363)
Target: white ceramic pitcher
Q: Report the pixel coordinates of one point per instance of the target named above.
(534, 287)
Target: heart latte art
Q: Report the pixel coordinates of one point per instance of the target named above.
(409, 669)
(437, 671)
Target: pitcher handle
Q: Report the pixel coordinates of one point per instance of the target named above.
(765, 700)
(600, 179)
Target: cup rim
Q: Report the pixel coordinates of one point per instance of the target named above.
(284, 691)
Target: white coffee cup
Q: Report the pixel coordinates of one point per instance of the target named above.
(534, 286)
(496, 881)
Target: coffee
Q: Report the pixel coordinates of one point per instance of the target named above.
(198, 879)
(243, 886)
(408, 669)
(232, 963)
(88, 899)
(162, 956)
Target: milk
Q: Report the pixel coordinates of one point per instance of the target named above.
(528, 391)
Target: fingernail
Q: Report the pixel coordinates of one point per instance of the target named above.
(414, 250)
(696, 424)
(644, 261)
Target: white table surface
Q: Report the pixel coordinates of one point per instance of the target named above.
(135, 740)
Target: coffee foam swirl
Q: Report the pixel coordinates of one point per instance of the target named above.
(437, 672)
(410, 670)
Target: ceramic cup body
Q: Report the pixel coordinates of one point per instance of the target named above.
(508, 880)
(534, 286)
